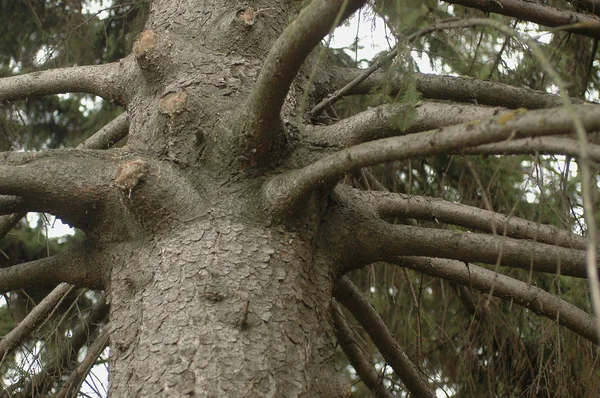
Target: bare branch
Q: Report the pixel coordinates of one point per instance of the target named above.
(33, 319)
(427, 208)
(541, 145)
(284, 191)
(380, 241)
(84, 267)
(459, 89)
(106, 81)
(543, 14)
(73, 383)
(391, 119)
(363, 311)
(111, 133)
(259, 118)
(356, 356)
(531, 297)
(40, 383)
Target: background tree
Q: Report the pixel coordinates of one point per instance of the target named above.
(258, 179)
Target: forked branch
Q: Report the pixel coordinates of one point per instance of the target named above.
(389, 205)
(346, 293)
(524, 294)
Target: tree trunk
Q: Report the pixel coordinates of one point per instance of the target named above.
(222, 308)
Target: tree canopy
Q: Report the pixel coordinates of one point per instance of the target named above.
(446, 221)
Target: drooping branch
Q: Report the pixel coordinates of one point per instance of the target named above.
(284, 191)
(458, 89)
(33, 319)
(541, 145)
(83, 267)
(357, 239)
(259, 119)
(346, 293)
(356, 356)
(64, 182)
(106, 81)
(575, 22)
(393, 119)
(525, 294)
(8, 222)
(426, 208)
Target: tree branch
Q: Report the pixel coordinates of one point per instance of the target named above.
(11, 204)
(113, 132)
(259, 119)
(541, 145)
(73, 383)
(40, 383)
(65, 182)
(33, 319)
(363, 311)
(357, 358)
(391, 119)
(524, 294)
(84, 266)
(283, 192)
(575, 22)
(458, 89)
(426, 208)
(106, 81)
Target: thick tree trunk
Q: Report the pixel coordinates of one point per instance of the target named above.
(222, 308)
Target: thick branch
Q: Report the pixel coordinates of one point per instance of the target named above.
(356, 240)
(33, 319)
(583, 24)
(284, 191)
(423, 208)
(83, 267)
(363, 311)
(356, 356)
(458, 89)
(106, 81)
(486, 281)
(534, 145)
(392, 119)
(65, 182)
(260, 117)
